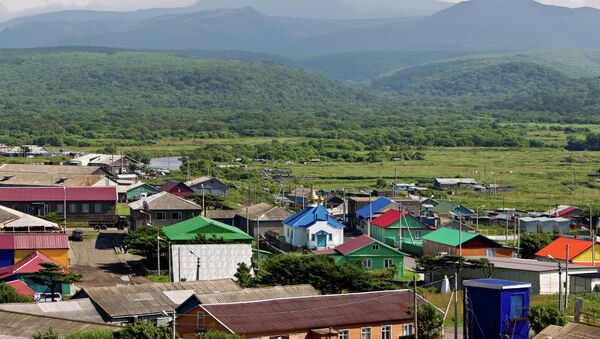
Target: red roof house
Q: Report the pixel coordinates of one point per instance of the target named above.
(176, 188)
(21, 288)
(30, 264)
(43, 194)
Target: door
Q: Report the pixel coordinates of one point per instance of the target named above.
(321, 239)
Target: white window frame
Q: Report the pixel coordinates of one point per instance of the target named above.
(60, 208)
(408, 329)
(367, 263)
(47, 208)
(97, 208)
(388, 262)
(163, 216)
(418, 234)
(85, 208)
(200, 316)
(72, 208)
(490, 250)
(343, 334)
(386, 331)
(375, 247)
(178, 215)
(366, 332)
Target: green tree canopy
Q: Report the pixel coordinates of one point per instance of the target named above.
(52, 274)
(541, 316)
(9, 295)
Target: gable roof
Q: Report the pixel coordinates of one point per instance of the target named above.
(264, 212)
(561, 210)
(21, 288)
(395, 219)
(28, 194)
(259, 293)
(557, 248)
(299, 314)
(10, 218)
(450, 237)
(50, 169)
(447, 207)
(310, 215)
(29, 264)
(189, 230)
(171, 184)
(376, 205)
(164, 201)
(201, 180)
(77, 309)
(354, 245)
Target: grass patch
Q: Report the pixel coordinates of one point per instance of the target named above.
(158, 278)
(122, 210)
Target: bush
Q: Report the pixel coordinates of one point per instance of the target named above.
(9, 295)
(430, 321)
(92, 334)
(49, 334)
(218, 335)
(542, 316)
(144, 330)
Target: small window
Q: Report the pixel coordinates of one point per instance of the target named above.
(343, 334)
(98, 208)
(408, 329)
(367, 263)
(60, 208)
(330, 237)
(312, 237)
(47, 209)
(72, 208)
(201, 321)
(85, 208)
(161, 215)
(517, 305)
(375, 247)
(387, 263)
(175, 215)
(490, 252)
(386, 332)
(418, 234)
(280, 337)
(365, 333)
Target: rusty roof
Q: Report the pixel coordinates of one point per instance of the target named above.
(304, 313)
(261, 293)
(78, 309)
(131, 300)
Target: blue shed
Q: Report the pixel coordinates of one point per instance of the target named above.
(496, 308)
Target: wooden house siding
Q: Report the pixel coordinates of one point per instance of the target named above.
(474, 249)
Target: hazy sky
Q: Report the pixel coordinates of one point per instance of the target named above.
(45, 5)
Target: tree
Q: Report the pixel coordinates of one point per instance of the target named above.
(144, 329)
(532, 243)
(243, 276)
(9, 295)
(381, 183)
(429, 264)
(143, 241)
(97, 333)
(52, 274)
(429, 321)
(218, 335)
(541, 316)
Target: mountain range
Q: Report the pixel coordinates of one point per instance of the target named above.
(474, 26)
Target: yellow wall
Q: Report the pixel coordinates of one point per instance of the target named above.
(586, 256)
(60, 255)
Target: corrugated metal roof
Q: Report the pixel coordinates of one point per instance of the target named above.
(310, 215)
(388, 217)
(30, 264)
(164, 201)
(450, 237)
(557, 248)
(50, 169)
(78, 309)
(354, 244)
(10, 218)
(374, 207)
(530, 265)
(131, 300)
(262, 293)
(21, 288)
(34, 241)
(21, 325)
(191, 228)
(264, 212)
(299, 314)
(32, 194)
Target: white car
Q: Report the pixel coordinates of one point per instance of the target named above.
(47, 297)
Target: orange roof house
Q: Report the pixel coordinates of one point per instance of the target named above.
(580, 251)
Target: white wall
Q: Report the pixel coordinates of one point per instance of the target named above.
(337, 233)
(216, 261)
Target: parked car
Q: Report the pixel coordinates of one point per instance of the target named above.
(77, 235)
(47, 297)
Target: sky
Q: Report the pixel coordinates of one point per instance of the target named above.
(18, 7)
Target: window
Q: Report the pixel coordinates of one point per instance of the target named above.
(367, 263)
(98, 208)
(343, 334)
(85, 208)
(280, 337)
(312, 237)
(490, 252)
(375, 247)
(408, 329)
(60, 208)
(72, 208)
(330, 237)
(161, 215)
(175, 215)
(418, 234)
(387, 263)
(386, 332)
(46, 209)
(201, 321)
(365, 333)
(517, 304)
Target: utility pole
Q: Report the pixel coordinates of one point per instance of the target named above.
(456, 305)
(560, 283)
(415, 306)
(203, 206)
(460, 234)
(567, 276)
(370, 216)
(64, 209)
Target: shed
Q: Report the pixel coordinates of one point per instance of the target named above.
(209, 262)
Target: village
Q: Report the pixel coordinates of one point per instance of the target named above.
(89, 244)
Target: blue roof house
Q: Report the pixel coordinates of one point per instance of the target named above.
(371, 211)
(313, 227)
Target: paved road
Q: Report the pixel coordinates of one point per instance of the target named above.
(95, 259)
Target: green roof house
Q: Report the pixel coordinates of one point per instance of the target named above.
(448, 241)
(135, 191)
(401, 230)
(190, 229)
(368, 253)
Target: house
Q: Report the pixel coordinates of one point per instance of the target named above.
(14, 221)
(299, 197)
(556, 225)
(496, 308)
(208, 184)
(128, 193)
(23, 151)
(25, 175)
(31, 264)
(261, 216)
(208, 262)
(584, 282)
(371, 211)
(447, 241)
(113, 163)
(352, 315)
(450, 183)
(94, 205)
(448, 211)
(14, 247)
(564, 211)
(176, 188)
(354, 204)
(21, 288)
(246, 294)
(401, 230)
(162, 209)
(23, 325)
(367, 252)
(542, 275)
(165, 164)
(313, 227)
(190, 229)
(580, 251)
(132, 303)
